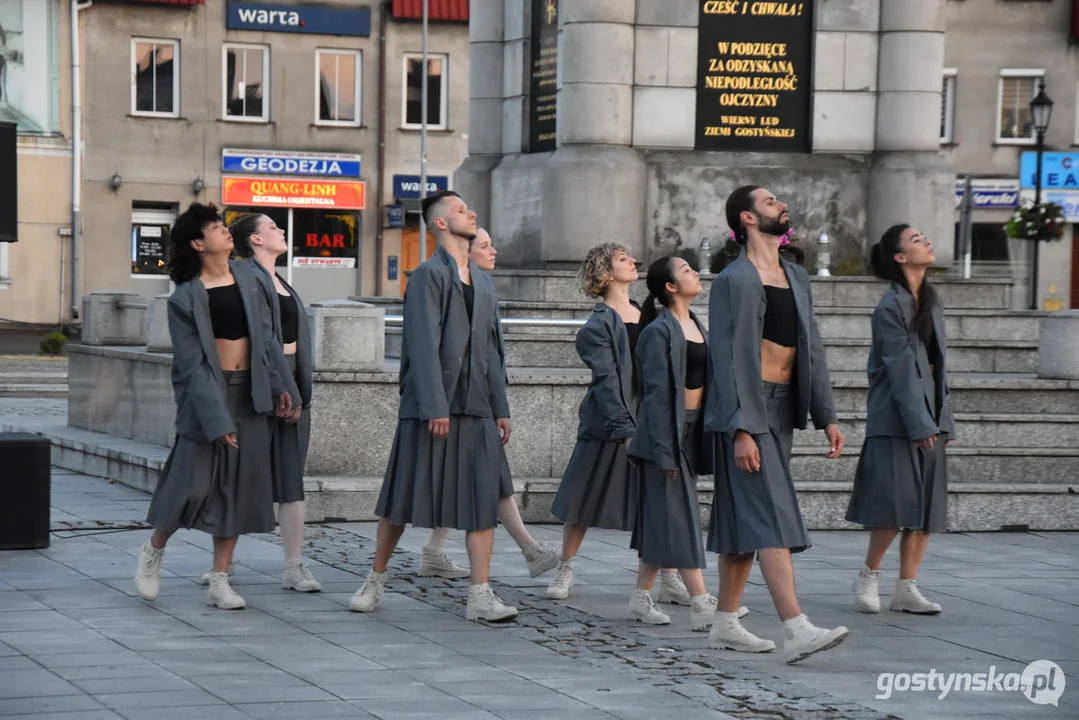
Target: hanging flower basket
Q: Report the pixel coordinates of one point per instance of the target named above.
(1045, 221)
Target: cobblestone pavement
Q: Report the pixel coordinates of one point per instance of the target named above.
(76, 644)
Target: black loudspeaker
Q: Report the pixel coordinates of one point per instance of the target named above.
(9, 184)
(24, 482)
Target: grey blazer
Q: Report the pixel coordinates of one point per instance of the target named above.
(441, 349)
(902, 386)
(736, 318)
(661, 355)
(198, 383)
(603, 344)
(300, 386)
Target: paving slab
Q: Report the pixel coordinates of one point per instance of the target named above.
(76, 643)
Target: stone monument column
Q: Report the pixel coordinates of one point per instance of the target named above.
(594, 183)
(473, 179)
(910, 181)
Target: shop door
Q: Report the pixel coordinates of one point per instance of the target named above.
(410, 251)
(1075, 271)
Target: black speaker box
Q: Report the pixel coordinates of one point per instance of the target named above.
(24, 483)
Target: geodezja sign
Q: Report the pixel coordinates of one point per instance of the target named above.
(278, 162)
(754, 83)
(269, 192)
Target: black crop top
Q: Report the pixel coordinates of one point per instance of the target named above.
(290, 322)
(780, 316)
(696, 364)
(227, 314)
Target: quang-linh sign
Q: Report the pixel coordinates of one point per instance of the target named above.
(754, 82)
(269, 192)
(277, 162)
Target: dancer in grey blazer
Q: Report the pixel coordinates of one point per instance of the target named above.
(769, 376)
(672, 354)
(902, 477)
(225, 376)
(539, 556)
(261, 242)
(444, 467)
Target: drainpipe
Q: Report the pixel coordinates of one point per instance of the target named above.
(76, 156)
(383, 13)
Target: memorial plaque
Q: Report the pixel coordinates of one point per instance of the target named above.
(543, 74)
(754, 83)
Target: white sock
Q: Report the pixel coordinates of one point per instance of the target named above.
(437, 538)
(290, 518)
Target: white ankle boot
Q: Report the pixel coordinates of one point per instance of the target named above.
(298, 577)
(907, 598)
(541, 557)
(365, 599)
(702, 612)
(436, 563)
(221, 594)
(672, 590)
(483, 604)
(205, 579)
(729, 634)
(643, 608)
(563, 581)
(802, 638)
(148, 572)
(867, 590)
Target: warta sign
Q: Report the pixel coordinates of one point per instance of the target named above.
(276, 162)
(309, 19)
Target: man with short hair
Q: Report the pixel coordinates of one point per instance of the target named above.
(443, 469)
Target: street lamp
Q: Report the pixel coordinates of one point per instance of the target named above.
(1041, 109)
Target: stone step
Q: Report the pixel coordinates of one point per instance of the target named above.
(977, 393)
(32, 376)
(973, 507)
(973, 431)
(9, 388)
(561, 285)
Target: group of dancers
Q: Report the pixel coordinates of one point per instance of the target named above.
(669, 400)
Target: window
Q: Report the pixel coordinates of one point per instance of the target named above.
(155, 77)
(245, 88)
(337, 87)
(1017, 89)
(150, 240)
(947, 107)
(437, 87)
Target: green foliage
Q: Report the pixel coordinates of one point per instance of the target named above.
(853, 265)
(53, 344)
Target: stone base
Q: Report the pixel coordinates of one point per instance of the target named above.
(1058, 346)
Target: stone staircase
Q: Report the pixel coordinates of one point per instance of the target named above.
(22, 377)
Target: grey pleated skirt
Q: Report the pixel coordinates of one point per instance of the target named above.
(212, 487)
(289, 456)
(452, 482)
(505, 477)
(755, 511)
(668, 528)
(600, 487)
(900, 485)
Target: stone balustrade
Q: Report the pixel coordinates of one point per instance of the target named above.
(113, 317)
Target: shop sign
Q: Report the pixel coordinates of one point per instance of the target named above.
(396, 216)
(277, 162)
(754, 75)
(1060, 170)
(308, 19)
(990, 192)
(407, 187)
(337, 262)
(316, 194)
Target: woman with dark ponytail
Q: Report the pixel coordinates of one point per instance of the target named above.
(668, 443)
(902, 478)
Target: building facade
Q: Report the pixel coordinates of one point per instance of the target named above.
(35, 95)
(997, 53)
(276, 108)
